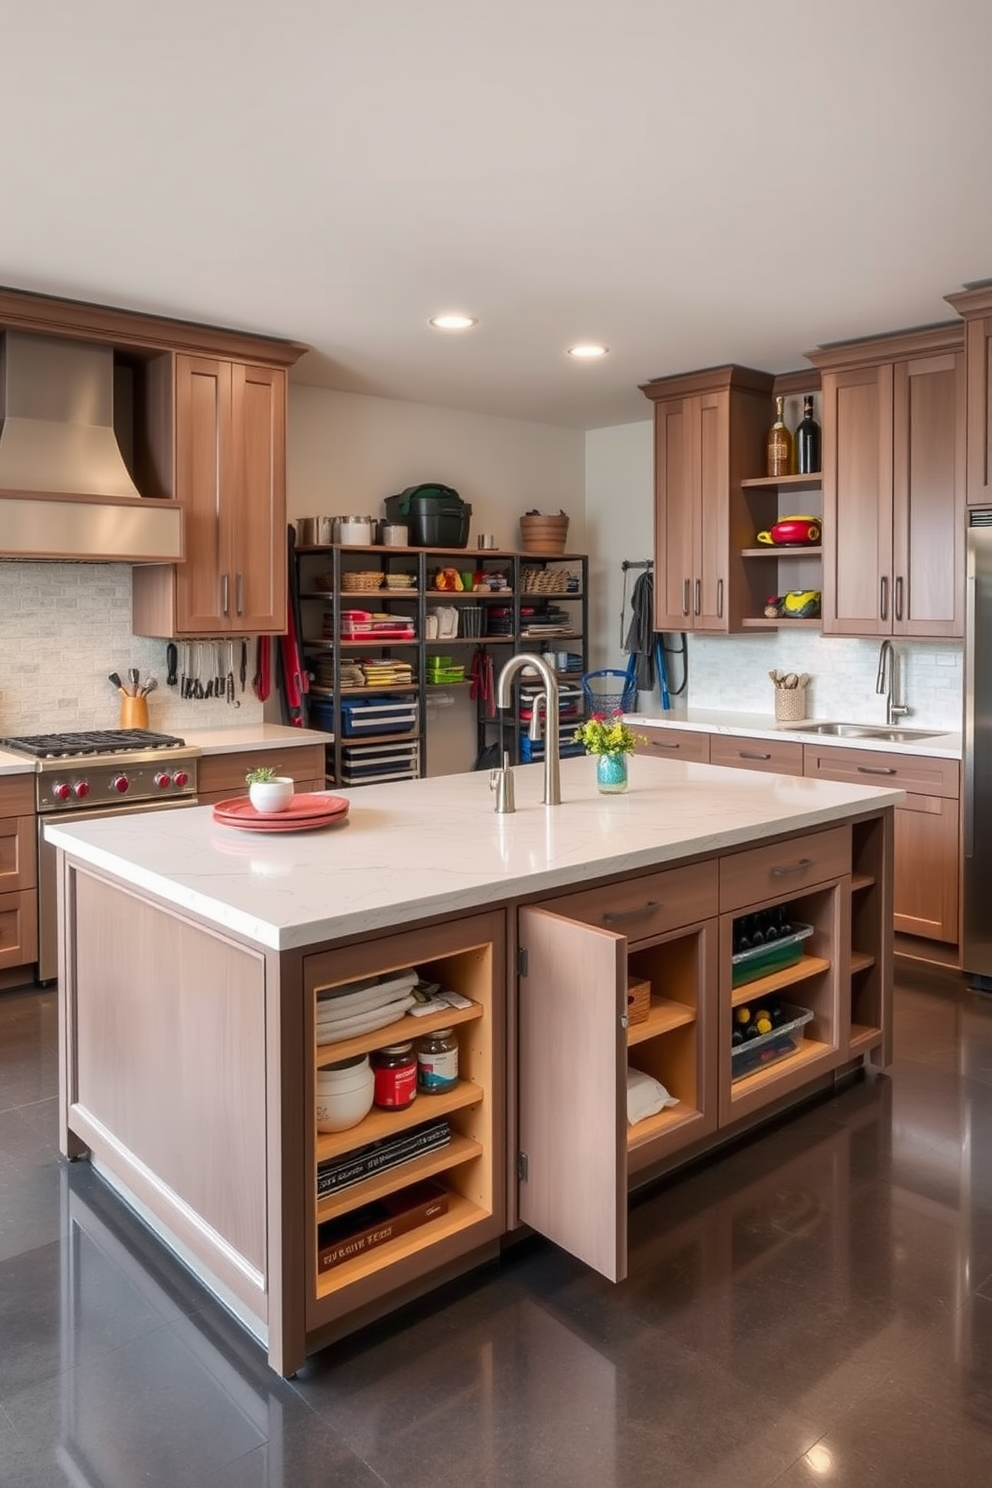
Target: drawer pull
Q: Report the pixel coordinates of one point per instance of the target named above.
(664, 744)
(641, 912)
(799, 867)
(751, 754)
(876, 770)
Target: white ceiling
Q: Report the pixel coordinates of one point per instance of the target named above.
(689, 181)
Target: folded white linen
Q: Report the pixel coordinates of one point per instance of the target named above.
(357, 995)
(332, 1033)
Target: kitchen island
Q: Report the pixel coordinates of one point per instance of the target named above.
(193, 957)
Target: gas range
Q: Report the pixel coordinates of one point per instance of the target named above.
(108, 768)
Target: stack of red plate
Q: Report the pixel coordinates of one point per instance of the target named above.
(304, 813)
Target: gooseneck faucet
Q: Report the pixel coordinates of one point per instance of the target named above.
(552, 768)
(887, 682)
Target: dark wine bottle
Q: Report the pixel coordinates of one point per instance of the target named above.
(807, 441)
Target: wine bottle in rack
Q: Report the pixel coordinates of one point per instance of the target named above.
(778, 447)
(808, 441)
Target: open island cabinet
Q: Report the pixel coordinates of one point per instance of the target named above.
(463, 956)
(578, 1156)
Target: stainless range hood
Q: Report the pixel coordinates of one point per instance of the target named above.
(65, 491)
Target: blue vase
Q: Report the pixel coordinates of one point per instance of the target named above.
(611, 773)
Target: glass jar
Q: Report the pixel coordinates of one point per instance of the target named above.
(395, 1070)
(611, 773)
(437, 1061)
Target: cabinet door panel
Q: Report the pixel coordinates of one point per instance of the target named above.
(928, 507)
(925, 894)
(674, 515)
(573, 1088)
(857, 501)
(203, 434)
(979, 344)
(257, 499)
(709, 589)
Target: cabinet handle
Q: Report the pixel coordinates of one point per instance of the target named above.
(641, 912)
(883, 598)
(685, 596)
(663, 744)
(751, 754)
(799, 867)
(699, 590)
(876, 770)
(719, 599)
(239, 593)
(224, 594)
(899, 597)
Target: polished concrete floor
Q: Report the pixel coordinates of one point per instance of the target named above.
(814, 1307)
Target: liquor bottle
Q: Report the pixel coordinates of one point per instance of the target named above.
(808, 441)
(778, 447)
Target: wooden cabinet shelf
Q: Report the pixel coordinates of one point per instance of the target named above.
(459, 1150)
(861, 961)
(809, 1051)
(399, 1032)
(379, 1124)
(663, 1017)
(666, 1123)
(778, 981)
(863, 1038)
(812, 482)
(762, 622)
(782, 552)
(861, 881)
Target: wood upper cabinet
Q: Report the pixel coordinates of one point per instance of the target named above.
(975, 305)
(893, 415)
(710, 432)
(230, 477)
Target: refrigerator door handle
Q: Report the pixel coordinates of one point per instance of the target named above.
(969, 712)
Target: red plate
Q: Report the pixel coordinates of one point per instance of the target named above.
(305, 810)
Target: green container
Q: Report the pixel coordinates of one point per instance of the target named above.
(748, 966)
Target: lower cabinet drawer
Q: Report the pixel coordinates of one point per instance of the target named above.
(925, 775)
(783, 869)
(18, 854)
(674, 743)
(224, 774)
(640, 908)
(18, 929)
(781, 756)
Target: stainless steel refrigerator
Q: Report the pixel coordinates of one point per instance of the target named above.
(978, 753)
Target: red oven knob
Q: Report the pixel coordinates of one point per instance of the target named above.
(180, 778)
(61, 791)
(120, 783)
(162, 780)
(81, 790)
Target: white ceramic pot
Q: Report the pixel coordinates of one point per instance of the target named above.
(272, 795)
(344, 1094)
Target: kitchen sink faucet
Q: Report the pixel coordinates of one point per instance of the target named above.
(887, 682)
(552, 767)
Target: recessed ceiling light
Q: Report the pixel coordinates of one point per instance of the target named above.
(453, 322)
(587, 350)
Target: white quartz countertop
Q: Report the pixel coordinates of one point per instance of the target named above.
(415, 848)
(15, 764)
(945, 745)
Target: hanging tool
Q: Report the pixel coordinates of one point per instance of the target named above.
(243, 671)
(662, 672)
(171, 664)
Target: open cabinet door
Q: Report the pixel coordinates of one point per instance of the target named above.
(573, 1088)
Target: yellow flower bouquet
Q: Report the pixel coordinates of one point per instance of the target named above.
(606, 733)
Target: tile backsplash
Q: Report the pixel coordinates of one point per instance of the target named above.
(63, 628)
(731, 672)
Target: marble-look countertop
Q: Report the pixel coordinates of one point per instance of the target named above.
(235, 740)
(943, 744)
(414, 848)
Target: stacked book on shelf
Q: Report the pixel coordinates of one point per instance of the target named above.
(355, 1234)
(371, 625)
(338, 1173)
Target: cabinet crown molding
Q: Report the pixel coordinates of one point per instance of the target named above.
(138, 333)
(916, 341)
(975, 299)
(708, 379)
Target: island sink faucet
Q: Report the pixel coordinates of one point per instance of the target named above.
(552, 768)
(887, 682)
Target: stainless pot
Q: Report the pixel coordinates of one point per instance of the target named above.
(393, 535)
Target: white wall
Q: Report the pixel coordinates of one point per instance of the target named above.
(731, 672)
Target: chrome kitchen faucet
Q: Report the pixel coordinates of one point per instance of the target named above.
(887, 682)
(552, 767)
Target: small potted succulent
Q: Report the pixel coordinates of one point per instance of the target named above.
(268, 791)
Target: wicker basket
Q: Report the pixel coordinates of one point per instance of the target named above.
(544, 580)
(638, 999)
(361, 579)
(790, 704)
(400, 581)
(544, 535)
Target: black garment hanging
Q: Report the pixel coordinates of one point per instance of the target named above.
(640, 635)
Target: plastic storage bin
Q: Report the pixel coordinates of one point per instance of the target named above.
(747, 966)
(433, 521)
(383, 715)
(366, 763)
(767, 1048)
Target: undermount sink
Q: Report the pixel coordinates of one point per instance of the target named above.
(867, 731)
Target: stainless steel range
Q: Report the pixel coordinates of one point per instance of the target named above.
(91, 774)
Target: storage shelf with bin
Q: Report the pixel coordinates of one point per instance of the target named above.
(869, 1030)
(769, 569)
(465, 957)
